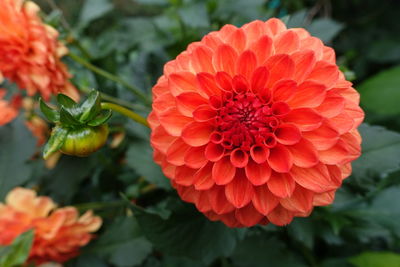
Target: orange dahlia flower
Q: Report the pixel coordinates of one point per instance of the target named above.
(8, 111)
(59, 233)
(29, 51)
(255, 124)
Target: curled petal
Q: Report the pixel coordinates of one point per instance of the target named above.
(195, 157)
(258, 174)
(259, 153)
(223, 171)
(239, 158)
(280, 159)
(214, 152)
(287, 134)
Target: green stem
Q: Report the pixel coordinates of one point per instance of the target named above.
(110, 76)
(126, 112)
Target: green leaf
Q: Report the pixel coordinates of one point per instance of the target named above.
(90, 107)
(324, 28)
(51, 114)
(94, 9)
(55, 141)
(17, 145)
(66, 101)
(381, 92)
(102, 118)
(376, 259)
(140, 157)
(122, 244)
(263, 250)
(66, 118)
(380, 152)
(17, 253)
(187, 233)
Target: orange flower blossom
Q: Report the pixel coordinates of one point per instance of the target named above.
(8, 111)
(59, 233)
(255, 124)
(30, 52)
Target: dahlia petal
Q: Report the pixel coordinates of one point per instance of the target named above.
(313, 44)
(275, 26)
(316, 179)
(181, 82)
(183, 61)
(309, 95)
(254, 30)
(212, 41)
(301, 32)
(280, 66)
(280, 216)
(173, 121)
(331, 106)
(287, 134)
(259, 153)
(204, 113)
(203, 178)
(214, 152)
(259, 79)
(263, 200)
(161, 140)
(163, 102)
(202, 59)
(188, 102)
(304, 154)
(329, 55)
(355, 112)
(239, 158)
(230, 220)
(195, 157)
(176, 152)
(168, 169)
(322, 138)
(224, 81)
(300, 201)
(280, 159)
(187, 193)
(305, 119)
(226, 31)
(184, 175)
(324, 199)
(286, 42)
(262, 48)
(197, 133)
(224, 59)
(237, 39)
(246, 64)
(248, 215)
(281, 184)
(240, 84)
(304, 61)
(342, 123)
(207, 84)
(353, 144)
(258, 174)
(223, 171)
(239, 191)
(336, 174)
(219, 203)
(338, 154)
(203, 203)
(280, 109)
(284, 90)
(324, 73)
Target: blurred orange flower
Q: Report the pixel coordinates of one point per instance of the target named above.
(8, 111)
(30, 52)
(59, 233)
(255, 124)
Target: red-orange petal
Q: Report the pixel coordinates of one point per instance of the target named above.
(184, 175)
(263, 200)
(316, 179)
(284, 90)
(203, 178)
(248, 215)
(337, 154)
(176, 152)
(325, 73)
(280, 159)
(246, 64)
(207, 84)
(181, 82)
(195, 157)
(305, 119)
(224, 59)
(223, 171)
(258, 174)
(204, 113)
(173, 121)
(262, 48)
(189, 102)
(304, 154)
(219, 203)
(239, 158)
(202, 59)
(197, 133)
(239, 191)
(259, 79)
(309, 94)
(280, 66)
(214, 152)
(259, 153)
(287, 134)
(281, 184)
(286, 42)
(300, 201)
(280, 216)
(304, 62)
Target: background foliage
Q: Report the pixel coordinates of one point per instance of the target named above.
(145, 224)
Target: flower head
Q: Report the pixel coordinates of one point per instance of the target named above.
(255, 124)
(29, 51)
(59, 233)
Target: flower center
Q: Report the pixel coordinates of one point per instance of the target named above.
(246, 119)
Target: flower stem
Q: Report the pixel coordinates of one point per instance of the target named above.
(110, 76)
(126, 112)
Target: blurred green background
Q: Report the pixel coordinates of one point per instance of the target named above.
(133, 39)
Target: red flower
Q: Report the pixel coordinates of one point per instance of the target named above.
(59, 233)
(29, 51)
(255, 124)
